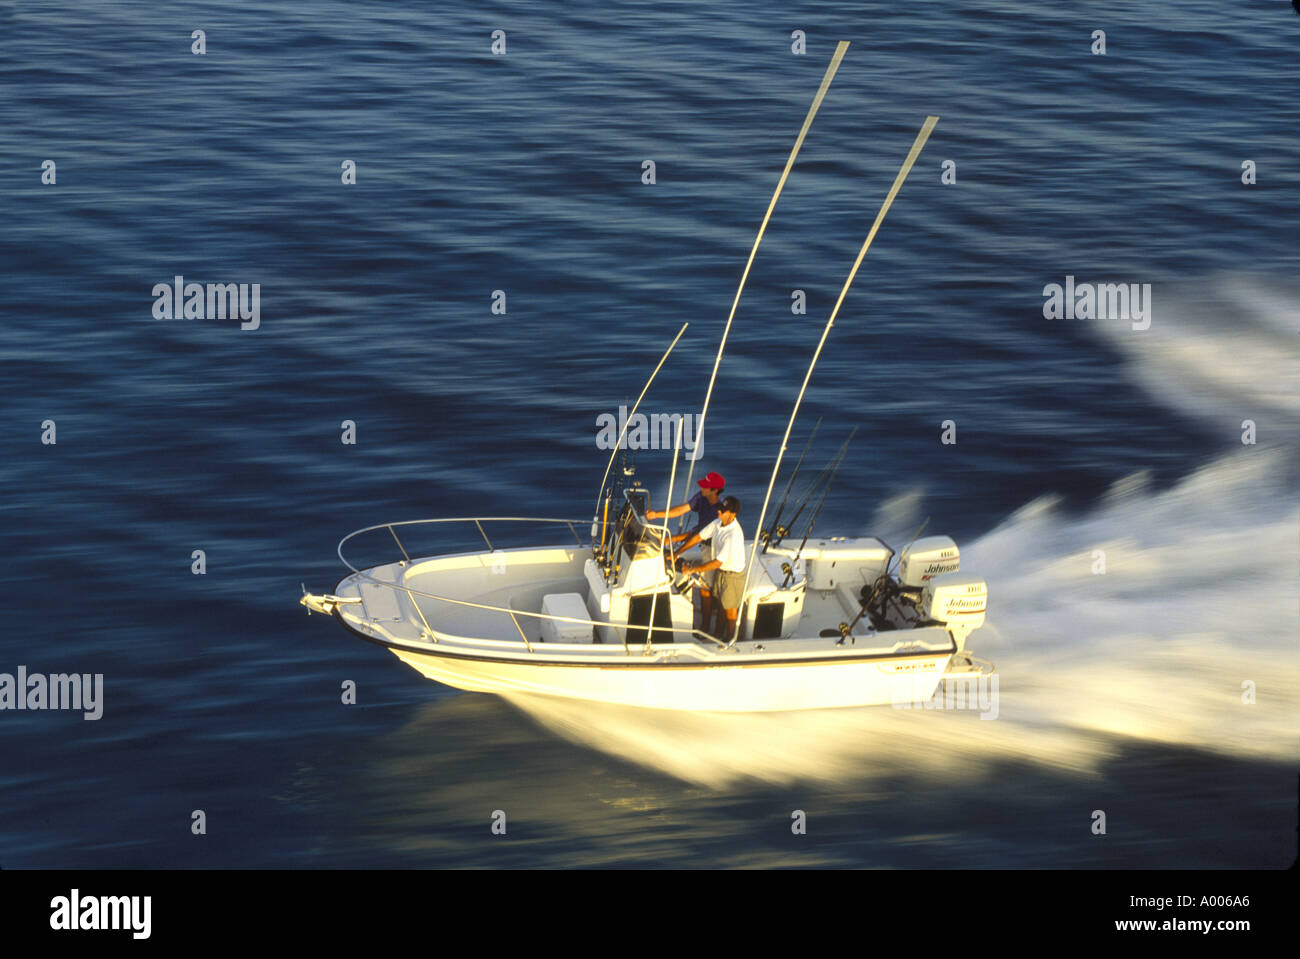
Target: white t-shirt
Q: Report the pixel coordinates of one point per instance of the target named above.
(728, 544)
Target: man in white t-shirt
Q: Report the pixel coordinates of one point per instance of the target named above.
(728, 542)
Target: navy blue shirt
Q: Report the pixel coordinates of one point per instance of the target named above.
(708, 511)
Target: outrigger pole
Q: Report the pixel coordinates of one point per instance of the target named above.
(840, 49)
(906, 168)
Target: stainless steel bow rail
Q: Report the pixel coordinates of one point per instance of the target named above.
(327, 603)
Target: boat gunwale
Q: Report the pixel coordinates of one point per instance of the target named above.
(630, 659)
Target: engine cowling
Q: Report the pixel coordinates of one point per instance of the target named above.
(927, 558)
(957, 600)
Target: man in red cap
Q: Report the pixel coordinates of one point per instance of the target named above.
(705, 503)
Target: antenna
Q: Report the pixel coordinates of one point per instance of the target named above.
(906, 168)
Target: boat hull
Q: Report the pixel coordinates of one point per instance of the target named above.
(717, 688)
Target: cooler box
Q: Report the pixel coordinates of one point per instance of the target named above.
(565, 604)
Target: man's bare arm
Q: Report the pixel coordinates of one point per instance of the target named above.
(673, 513)
(691, 541)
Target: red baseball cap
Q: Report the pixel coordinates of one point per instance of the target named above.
(713, 481)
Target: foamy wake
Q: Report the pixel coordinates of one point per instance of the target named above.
(1222, 352)
(1156, 615)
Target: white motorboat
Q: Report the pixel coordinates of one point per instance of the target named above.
(831, 622)
(568, 621)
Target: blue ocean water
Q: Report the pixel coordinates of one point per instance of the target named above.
(522, 173)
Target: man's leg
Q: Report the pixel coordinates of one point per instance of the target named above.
(706, 610)
(730, 586)
(731, 623)
(707, 581)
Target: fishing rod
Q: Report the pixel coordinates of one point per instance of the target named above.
(613, 495)
(839, 461)
(625, 484)
(776, 523)
(604, 525)
(822, 477)
(915, 537)
(834, 65)
(609, 529)
(906, 168)
(779, 533)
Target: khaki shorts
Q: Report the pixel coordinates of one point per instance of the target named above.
(729, 589)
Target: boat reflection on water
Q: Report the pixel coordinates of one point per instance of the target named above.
(429, 793)
(724, 751)
(589, 785)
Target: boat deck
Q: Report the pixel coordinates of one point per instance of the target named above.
(401, 607)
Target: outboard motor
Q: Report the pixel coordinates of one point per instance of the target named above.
(927, 558)
(957, 600)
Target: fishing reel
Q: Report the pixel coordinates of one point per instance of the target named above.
(843, 631)
(770, 537)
